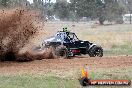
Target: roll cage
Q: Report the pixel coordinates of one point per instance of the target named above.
(67, 36)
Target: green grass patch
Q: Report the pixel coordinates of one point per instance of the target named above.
(125, 49)
(29, 81)
(113, 73)
(42, 81)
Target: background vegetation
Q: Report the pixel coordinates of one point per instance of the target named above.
(75, 10)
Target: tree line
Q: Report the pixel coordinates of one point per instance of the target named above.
(110, 10)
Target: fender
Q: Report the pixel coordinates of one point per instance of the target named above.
(92, 46)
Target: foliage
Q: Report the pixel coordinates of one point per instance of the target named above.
(111, 10)
(14, 3)
(61, 9)
(4, 2)
(86, 8)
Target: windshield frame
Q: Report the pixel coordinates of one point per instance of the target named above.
(74, 36)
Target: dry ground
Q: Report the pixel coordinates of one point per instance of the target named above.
(106, 36)
(64, 65)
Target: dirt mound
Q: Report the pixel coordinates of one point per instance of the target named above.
(17, 26)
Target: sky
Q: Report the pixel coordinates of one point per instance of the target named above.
(31, 1)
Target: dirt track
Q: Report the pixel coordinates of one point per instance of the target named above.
(48, 65)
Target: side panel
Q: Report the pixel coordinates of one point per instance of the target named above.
(82, 46)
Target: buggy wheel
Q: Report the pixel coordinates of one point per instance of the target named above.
(60, 52)
(96, 51)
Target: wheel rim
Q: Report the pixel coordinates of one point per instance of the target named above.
(98, 52)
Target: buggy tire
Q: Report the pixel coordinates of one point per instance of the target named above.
(96, 51)
(60, 52)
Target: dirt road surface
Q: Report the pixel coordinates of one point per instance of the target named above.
(64, 65)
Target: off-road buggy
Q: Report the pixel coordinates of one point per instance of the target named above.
(65, 44)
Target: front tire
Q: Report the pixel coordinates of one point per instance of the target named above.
(96, 51)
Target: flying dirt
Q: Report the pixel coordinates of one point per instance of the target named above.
(17, 27)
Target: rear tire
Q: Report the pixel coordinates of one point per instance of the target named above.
(60, 52)
(96, 51)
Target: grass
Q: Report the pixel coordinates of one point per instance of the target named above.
(29, 81)
(114, 73)
(42, 81)
(125, 49)
(115, 39)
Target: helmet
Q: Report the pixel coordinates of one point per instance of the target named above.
(65, 29)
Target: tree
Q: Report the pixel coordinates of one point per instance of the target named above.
(114, 11)
(61, 9)
(4, 2)
(129, 7)
(38, 4)
(14, 3)
(101, 12)
(88, 8)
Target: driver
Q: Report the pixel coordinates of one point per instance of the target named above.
(67, 37)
